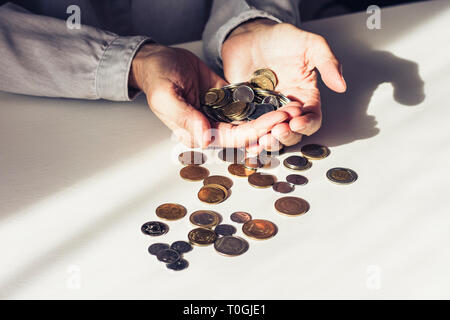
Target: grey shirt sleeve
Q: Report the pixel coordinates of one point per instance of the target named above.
(229, 14)
(41, 56)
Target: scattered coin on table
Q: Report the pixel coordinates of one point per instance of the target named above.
(315, 151)
(194, 173)
(297, 163)
(297, 179)
(231, 246)
(154, 228)
(205, 218)
(225, 230)
(342, 175)
(202, 236)
(157, 247)
(178, 265)
(261, 180)
(283, 187)
(192, 158)
(240, 170)
(221, 180)
(171, 211)
(168, 255)
(240, 217)
(181, 246)
(212, 193)
(259, 229)
(291, 206)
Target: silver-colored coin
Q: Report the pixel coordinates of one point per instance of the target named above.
(243, 93)
(342, 175)
(155, 248)
(178, 265)
(231, 246)
(261, 109)
(168, 255)
(225, 230)
(271, 100)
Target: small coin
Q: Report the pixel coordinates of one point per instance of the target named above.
(168, 255)
(202, 236)
(157, 247)
(297, 179)
(291, 206)
(244, 94)
(259, 229)
(240, 170)
(194, 173)
(297, 163)
(225, 230)
(315, 151)
(192, 158)
(283, 187)
(342, 175)
(212, 193)
(271, 100)
(231, 246)
(178, 265)
(263, 82)
(223, 181)
(240, 217)
(261, 180)
(171, 211)
(253, 163)
(205, 218)
(234, 109)
(233, 155)
(210, 97)
(154, 228)
(267, 73)
(181, 246)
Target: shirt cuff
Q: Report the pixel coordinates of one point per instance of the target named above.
(233, 23)
(114, 68)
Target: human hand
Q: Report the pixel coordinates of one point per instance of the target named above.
(294, 55)
(173, 80)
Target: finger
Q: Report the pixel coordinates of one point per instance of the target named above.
(269, 143)
(326, 62)
(306, 124)
(254, 149)
(293, 109)
(283, 133)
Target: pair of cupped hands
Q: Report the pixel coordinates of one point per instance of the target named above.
(173, 80)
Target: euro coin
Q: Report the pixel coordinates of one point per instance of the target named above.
(192, 158)
(283, 187)
(223, 181)
(181, 246)
(263, 82)
(271, 100)
(157, 247)
(240, 217)
(225, 230)
(202, 236)
(154, 228)
(244, 94)
(231, 246)
(205, 218)
(342, 175)
(315, 151)
(291, 206)
(233, 155)
(297, 163)
(297, 179)
(235, 110)
(259, 229)
(212, 193)
(178, 265)
(194, 173)
(267, 73)
(171, 211)
(168, 256)
(261, 180)
(240, 170)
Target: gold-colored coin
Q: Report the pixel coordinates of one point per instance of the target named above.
(210, 97)
(212, 193)
(205, 218)
(261, 180)
(291, 206)
(192, 158)
(259, 229)
(263, 82)
(268, 74)
(240, 170)
(234, 109)
(202, 236)
(315, 151)
(171, 211)
(223, 181)
(194, 173)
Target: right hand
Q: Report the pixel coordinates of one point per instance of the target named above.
(173, 80)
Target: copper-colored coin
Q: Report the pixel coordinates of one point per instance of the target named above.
(223, 181)
(205, 218)
(212, 193)
(297, 179)
(171, 211)
(202, 236)
(297, 163)
(240, 217)
(259, 229)
(291, 206)
(253, 163)
(240, 170)
(233, 155)
(192, 158)
(261, 180)
(342, 175)
(194, 173)
(231, 246)
(315, 151)
(283, 187)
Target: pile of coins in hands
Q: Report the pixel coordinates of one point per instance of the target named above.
(209, 228)
(244, 101)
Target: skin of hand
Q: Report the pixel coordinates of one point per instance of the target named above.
(295, 56)
(173, 79)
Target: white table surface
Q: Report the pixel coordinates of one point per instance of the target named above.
(79, 178)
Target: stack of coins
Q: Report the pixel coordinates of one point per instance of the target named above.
(244, 101)
(171, 255)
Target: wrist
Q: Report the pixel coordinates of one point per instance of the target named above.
(136, 78)
(252, 25)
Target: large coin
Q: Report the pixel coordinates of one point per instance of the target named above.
(234, 109)
(202, 236)
(178, 265)
(283, 187)
(263, 82)
(225, 230)
(171, 211)
(223, 181)
(194, 173)
(261, 180)
(233, 155)
(240, 217)
(168, 256)
(231, 246)
(297, 163)
(181, 246)
(154, 228)
(244, 94)
(267, 73)
(297, 179)
(342, 175)
(205, 218)
(212, 193)
(240, 170)
(157, 247)
(259, 229)
(291, 206)
(315, 151)
(192, 158)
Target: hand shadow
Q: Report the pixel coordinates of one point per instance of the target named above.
(345, 117)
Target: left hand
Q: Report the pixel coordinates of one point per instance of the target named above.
(294, 55)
